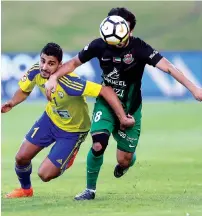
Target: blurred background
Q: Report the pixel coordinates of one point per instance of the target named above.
(174, 28)
(167, 177)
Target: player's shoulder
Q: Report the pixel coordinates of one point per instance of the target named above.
(71, 75)
(72, 78)
(33, 71)
(98, 43)
(138, 42)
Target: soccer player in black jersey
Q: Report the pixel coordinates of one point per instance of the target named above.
(123, 66)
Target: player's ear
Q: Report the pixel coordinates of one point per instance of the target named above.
(60, 64)
(131, 32)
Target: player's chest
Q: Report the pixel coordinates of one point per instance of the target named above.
(119, 65)
(59, 97)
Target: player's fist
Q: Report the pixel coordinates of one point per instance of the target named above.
(126, 122)
(197, 93)
(50, 86)
(6, 107)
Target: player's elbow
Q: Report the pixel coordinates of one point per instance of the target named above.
(170, 68)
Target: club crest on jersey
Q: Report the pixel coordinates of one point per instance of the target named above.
(24, 78)
(128, 58)
(60, 94)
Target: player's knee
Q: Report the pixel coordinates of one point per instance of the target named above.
(100, 142)
(46, 176)
(97, 147)
(22, 159)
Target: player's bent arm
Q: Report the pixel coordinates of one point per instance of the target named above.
(17, 98)
(93, 90)
(110, 96)
(169, 68)
(67, 67)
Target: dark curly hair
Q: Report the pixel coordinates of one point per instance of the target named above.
(53, 49)
(124, 13)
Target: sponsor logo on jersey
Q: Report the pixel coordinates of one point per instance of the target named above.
(114, 74)
(153, 54)
(128, 58)
(113, 78)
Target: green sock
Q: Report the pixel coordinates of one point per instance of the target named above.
(93, 168)
(133, 160)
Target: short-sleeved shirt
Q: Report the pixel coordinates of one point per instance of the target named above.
(68, 109)
(122, 67)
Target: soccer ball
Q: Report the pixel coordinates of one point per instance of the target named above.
(114, 29)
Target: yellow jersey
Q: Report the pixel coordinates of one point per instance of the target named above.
(68, 109)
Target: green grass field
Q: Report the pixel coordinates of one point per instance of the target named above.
(28, 25)
(166, 180)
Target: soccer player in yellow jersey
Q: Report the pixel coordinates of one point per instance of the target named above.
(65, 122)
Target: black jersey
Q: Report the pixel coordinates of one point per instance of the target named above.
(122, 67)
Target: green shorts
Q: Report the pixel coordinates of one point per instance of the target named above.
(104, 120)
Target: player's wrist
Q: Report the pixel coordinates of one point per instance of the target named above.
(122, 119)
(54, 77)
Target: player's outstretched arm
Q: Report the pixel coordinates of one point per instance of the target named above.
(168, 67)
(66, 68)
(110, 96)
(17, 98)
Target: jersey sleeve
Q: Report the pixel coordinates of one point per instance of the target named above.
(92, 89)
(73, 86)
(28, 81)
(89, 51)
(149, 54)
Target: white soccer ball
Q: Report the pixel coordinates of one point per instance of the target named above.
(114, 29)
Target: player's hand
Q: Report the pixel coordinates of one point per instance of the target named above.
(126, 122)
(7, 107)
(197, 94)
(50, 86)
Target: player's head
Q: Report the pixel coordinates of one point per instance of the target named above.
(128, 16)
(50, 59)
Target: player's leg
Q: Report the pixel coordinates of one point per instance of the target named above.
(36, 139)
(23, 166)
(61, 156)
(23, 169)
(102, 125)
(126, 145)
(125, 160)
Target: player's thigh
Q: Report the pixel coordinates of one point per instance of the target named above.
(40, 133)
(103, 119)
(127, 140)
(65, 150)
(27, 151)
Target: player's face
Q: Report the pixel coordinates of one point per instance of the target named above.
(123, 44)
(48, 65)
